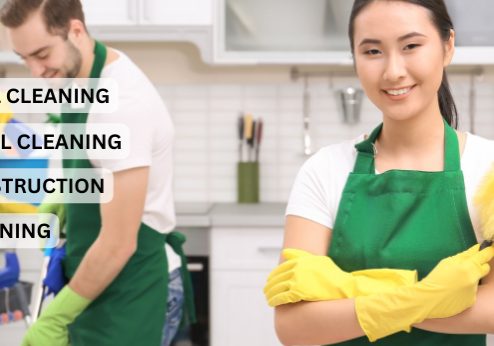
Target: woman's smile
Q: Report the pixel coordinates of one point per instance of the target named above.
(399, 94)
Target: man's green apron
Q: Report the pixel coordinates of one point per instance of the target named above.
(404, 220)
(131, 310)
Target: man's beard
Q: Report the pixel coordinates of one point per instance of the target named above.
(74, 62)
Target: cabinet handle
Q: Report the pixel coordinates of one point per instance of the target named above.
(195, 267)
(131, 9)
(269, 249)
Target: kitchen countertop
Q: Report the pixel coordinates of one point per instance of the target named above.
(230, 214)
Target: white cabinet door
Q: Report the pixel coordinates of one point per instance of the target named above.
(110, 12)
(246, 248)
(176, 12)
(240, 314)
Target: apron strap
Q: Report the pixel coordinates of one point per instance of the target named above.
(100, 53)
(176, 240)
(452, 160)
(365, 158)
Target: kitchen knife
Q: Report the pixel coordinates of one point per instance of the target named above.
(248, 132)
(252, 140)
(258, 138)
(241, 132)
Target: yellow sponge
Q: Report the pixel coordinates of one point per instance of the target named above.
(484, 201)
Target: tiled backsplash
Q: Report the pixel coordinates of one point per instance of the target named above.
(206, 144)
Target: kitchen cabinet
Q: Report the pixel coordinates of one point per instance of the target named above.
(241, 32)
(240, 314)
(283, 32)
(316, 32)
(148, 12)
(241, 260)
(114, 12)
(175, 12)
(153, 21)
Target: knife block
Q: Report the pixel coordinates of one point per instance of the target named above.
(248, 182)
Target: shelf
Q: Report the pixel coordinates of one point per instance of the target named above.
(464, 56)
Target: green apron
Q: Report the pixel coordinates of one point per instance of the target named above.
(404, 220)
(132, 309)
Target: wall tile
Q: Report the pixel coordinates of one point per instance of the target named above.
(230, 104)
(189, 118)
(225, 90)
(260, 104)
(261, 91)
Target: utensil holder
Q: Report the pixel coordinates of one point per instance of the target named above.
(248, 182)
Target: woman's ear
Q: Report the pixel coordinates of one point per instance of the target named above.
(449, 48)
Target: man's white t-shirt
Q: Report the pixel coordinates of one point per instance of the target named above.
(141, 108)
(320, 182)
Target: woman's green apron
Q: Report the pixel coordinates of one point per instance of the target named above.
(131, 310)
(404, 220)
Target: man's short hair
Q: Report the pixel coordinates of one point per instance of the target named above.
(57, 14)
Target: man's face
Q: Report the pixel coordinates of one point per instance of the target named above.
(45, 54)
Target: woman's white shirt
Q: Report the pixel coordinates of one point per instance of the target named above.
(320, 182)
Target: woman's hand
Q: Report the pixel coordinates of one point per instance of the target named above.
(305, 277)
(449, 289)
(454, 281)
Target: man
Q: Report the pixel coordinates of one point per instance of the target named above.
(116, 261)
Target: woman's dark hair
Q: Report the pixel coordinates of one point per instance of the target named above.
(439, 16)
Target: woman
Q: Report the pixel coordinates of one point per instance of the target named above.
(402, 200)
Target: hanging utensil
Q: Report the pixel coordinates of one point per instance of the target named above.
(307, 141)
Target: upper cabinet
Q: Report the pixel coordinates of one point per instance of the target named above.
(148, 12)
(267, 31)
(114, 12)
(153, 20)
(283, 31)
(175, 12)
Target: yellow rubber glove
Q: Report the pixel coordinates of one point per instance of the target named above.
(314, 278)
(450, 288)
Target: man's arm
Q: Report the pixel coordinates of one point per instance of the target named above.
(117, 241)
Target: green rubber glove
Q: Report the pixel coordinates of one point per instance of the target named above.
(450, 288)
(53, 203)
(315, 278)
(51, 327)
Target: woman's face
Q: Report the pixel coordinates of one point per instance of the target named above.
(400, 57)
